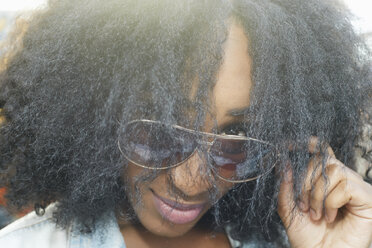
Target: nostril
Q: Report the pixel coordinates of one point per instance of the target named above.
(191, 178)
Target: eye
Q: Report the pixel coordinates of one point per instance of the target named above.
(230, 149)
(142, 151)
(237, 129)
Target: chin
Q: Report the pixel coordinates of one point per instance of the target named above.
(169, 233)
(165, 229)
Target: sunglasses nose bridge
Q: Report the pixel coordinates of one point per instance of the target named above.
(192, 175)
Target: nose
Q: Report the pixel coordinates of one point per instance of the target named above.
(192, 178)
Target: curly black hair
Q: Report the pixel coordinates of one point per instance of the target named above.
(83, 68)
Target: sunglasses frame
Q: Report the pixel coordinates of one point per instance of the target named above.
(210, 144)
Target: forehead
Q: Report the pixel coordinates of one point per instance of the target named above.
(234, 82)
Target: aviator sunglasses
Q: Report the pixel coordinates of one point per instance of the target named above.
(156, 146)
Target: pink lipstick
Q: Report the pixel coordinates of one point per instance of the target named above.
(175, 212)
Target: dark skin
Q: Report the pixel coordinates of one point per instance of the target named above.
(343, 219)
(231, 92)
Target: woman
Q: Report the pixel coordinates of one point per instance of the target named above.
(179, 123)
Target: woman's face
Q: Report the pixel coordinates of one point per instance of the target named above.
(186, 184)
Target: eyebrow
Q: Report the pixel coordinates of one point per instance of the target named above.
(238, 112)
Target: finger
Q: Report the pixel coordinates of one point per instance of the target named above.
(316, 147)
(357, 194)
(335, 173)
(314, 172)
(351, 192)
(336, 199)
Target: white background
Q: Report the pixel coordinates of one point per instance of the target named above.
(15, 5)
(361, 8)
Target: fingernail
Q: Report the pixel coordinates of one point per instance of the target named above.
(313, 214)
(327, 218)
(302, 206)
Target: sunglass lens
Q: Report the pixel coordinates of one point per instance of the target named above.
(153, 145)
(238, 160)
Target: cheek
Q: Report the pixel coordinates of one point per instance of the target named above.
(134, 189)
(139, 194)
(224, 187)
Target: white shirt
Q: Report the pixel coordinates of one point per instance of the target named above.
(33, 231)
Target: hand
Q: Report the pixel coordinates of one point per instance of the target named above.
(345, 220)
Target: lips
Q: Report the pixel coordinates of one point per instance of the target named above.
(175, 212)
